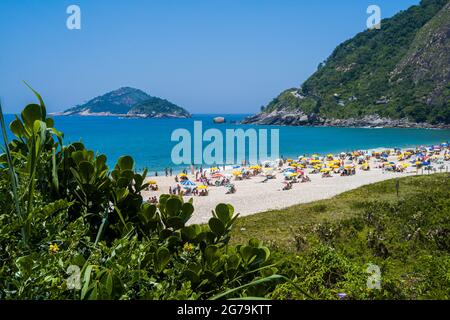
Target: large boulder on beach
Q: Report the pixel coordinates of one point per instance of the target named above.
(219, 120)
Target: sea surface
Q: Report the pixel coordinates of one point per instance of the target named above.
(149, 140)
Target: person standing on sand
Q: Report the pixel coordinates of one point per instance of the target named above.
(156, 173)
(166, 172)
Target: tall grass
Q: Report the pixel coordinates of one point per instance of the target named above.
(12, 173)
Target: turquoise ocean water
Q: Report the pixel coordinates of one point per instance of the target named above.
(149, 140)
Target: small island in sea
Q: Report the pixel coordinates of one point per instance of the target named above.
(128, 102)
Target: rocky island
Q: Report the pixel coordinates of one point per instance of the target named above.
(398, 76)
(128, 102)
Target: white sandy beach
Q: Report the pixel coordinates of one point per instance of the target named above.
(253, 196)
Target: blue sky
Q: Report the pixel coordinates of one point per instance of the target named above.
(209, 56)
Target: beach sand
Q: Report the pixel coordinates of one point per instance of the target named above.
(253, 196)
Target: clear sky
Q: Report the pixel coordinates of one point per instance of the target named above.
(209, 56)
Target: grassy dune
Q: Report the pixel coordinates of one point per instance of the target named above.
(326, 246)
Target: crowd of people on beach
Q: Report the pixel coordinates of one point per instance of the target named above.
(200, 180)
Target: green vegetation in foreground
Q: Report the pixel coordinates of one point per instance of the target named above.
(326, 245)
(71, 228)
(399, 71)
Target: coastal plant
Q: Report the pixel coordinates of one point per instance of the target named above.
(72, 229)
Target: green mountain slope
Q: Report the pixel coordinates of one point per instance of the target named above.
(129, 102)
(396, 76)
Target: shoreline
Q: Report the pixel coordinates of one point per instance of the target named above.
(179, 169)
(253, 196)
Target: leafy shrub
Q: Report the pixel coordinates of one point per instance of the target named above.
(72, 229)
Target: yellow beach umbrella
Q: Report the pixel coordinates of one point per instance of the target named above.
(182, 175)
(326, 170)
(237, 173)
(202, 187)
(152, 182)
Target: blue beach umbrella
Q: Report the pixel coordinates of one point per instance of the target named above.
(188, 184)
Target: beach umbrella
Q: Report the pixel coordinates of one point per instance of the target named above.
(255, 167)
(202, 187)
(290, 174)
(217, 175)
(188, 184)
(152, 182)
(325, 170)
(182, 175)
(236, 167)
(237, 173)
